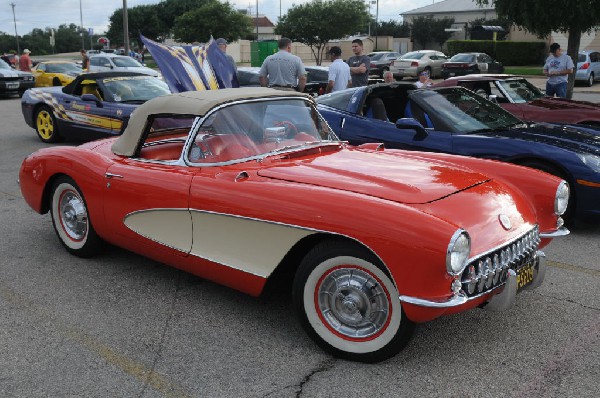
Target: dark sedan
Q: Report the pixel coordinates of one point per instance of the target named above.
(456, 120)
(527, 102)
(381, 61)
(316, 79)
(14, 81)
(468, 63)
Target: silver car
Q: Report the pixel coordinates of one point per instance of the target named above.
(107, 62)
(414, 62)
(588, 67)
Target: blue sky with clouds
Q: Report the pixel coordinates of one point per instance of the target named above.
(32, 14)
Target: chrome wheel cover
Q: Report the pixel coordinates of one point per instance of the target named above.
(73, 215)
(353, 303)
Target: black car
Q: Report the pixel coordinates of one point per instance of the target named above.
(316, 79)
(469, 63)
(381, 61)
(14, 81)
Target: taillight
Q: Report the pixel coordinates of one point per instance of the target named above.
(414, 63)
(585, 66)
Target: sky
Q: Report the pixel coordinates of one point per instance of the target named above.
(31, 14)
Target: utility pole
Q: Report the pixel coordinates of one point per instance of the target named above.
(125, 28)
(16, 34)
(376, 23)
(256, 20)
(81, 25)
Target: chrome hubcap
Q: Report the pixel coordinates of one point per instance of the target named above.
(73, 215)
(353, 303)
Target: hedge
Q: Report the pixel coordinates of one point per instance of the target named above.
(514, 53)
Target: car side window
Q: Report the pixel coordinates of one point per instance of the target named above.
(594, 57)
(95, 61)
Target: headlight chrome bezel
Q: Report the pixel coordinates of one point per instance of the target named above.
(458, 253)
(561, 198)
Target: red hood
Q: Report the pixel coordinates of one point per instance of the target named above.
(393, 175)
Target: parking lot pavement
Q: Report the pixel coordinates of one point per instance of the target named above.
(121, 325)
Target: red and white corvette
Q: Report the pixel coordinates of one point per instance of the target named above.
(233, 184)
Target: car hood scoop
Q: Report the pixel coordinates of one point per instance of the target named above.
(394, 175)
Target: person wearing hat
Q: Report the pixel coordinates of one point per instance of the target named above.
(424, 80)
(222, 44)
(339, 72)
(558, 67)
(283, 70)
(25, 62)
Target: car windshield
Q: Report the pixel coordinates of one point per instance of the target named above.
(126, 62)
(258, 129)
(520, 91)
(463, 58)
(63, 68)
(317, 75)
(134, 89)
(376, 56)
(464, 111)
(4, 65)
(413, 55)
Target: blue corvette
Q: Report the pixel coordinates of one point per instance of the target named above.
(91, 106)
(456, 120)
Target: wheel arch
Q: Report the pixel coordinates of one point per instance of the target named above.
(284, 272)
(47, 191)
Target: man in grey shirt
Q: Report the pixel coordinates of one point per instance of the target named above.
(359, 64)
(283, 70)
(558, 67)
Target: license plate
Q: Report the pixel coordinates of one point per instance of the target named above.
(12, 85)
(524, 275)
(452, 74)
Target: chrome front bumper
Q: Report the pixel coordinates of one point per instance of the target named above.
(499, 301)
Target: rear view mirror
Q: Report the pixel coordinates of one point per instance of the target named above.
(493, 98)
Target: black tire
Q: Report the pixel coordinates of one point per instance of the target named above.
(71, 220)
(45, 125)
(550, 169)
(56, 82)
(590, 80)
(362, 320)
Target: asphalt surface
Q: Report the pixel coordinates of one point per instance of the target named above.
(120, 325)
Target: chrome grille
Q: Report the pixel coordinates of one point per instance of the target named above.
(490, 270)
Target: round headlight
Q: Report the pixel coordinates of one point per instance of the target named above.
(458, 253)
(561, 201)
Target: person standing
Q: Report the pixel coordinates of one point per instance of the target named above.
(85, 60)
(359, 64)
(283, 70)
(339, 72)
(25, 62)
(558, 67)
(424, 80)
(222, 44)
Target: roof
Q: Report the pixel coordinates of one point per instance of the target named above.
(262, 22)
(196, 103)
(450, 6)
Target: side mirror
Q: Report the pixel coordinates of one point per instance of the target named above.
(91, 98)
(493, 98)
(408, 123)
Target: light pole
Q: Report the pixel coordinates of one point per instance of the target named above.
(81, 25)
(125, 28)
(16, 34)
(376, 23)
(256, 20)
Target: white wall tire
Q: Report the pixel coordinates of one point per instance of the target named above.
(348, 304)
(71, 220)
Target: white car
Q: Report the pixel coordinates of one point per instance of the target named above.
(112, 62)
(415, 62)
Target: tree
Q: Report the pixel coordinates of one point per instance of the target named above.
(420, 31)
(140, 19)
(212, 19)
(541, 17)
(438, 31)
(393, 28)
(317, 22)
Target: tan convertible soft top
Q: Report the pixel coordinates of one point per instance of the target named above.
(187, 103)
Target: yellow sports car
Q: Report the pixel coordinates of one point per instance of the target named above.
(55, 73)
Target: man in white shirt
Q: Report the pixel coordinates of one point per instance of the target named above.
(339, 72)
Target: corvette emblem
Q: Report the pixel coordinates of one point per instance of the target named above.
(505, 221)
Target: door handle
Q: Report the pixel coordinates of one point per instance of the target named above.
(111, 175)
(342, 122)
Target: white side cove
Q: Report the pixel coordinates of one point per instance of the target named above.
(170, 227)
(250, 245)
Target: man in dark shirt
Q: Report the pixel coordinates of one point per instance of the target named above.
(359, 64)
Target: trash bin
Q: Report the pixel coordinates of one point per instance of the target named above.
(259, 50)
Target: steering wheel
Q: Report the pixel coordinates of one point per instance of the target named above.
(290, 128)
